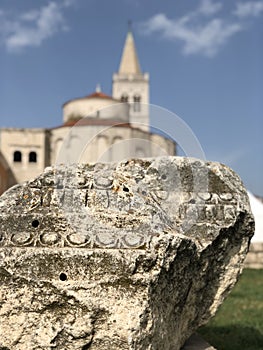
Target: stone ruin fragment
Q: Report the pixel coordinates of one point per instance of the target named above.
(130, 255)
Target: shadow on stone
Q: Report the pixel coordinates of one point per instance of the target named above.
(233, 337)
(196, 342)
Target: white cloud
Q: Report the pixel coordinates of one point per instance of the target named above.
(207, 7)
(250, 8)
(68, 3)
(209, 38)
(206, 38)
(201, 31)
(31, 28)
(30, 16)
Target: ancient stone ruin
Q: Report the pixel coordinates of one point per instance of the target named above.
(133, 255)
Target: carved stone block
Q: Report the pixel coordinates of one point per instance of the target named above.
(130, 255)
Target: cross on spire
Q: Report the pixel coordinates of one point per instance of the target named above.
(129, 25)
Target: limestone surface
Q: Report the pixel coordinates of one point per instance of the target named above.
(129, 255)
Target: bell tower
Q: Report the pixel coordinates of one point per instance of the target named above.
(130, 85)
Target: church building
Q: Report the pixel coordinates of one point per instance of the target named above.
(96, 128)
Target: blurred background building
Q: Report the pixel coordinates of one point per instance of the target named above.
(105, 128)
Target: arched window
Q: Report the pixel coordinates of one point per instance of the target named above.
(17, 157)
(124, 98)
(32, 157)
(137, 103)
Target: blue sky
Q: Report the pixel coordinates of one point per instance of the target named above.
(205, 60)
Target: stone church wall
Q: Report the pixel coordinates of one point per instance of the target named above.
(254, 259)
(24, 151)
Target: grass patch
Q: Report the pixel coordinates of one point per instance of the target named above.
(238, 324)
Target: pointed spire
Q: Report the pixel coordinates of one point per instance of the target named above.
(129, 60)
(98, 88)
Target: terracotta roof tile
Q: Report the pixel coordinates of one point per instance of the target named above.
(93, 95)
(99, 94)
(95, 121)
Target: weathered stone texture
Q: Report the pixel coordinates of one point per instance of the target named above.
(135, 255)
